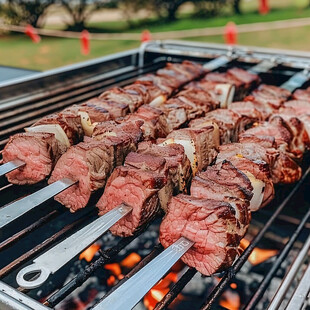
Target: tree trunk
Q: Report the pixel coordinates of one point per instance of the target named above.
(236, 6)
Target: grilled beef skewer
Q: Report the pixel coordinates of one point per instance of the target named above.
(40, 152)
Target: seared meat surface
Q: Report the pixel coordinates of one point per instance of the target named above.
(211, 224)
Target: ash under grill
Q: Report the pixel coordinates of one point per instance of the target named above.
(283, 226)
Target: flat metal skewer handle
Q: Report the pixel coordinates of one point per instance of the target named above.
(296, 81)
(16, 209)
(128, 294)
(10, 166)
(52, 260)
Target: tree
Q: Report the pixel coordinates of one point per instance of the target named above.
(236, 6)
(26, 12)
(167, 8)
(81, 10)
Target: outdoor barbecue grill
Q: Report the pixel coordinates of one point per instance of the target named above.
(284, 225)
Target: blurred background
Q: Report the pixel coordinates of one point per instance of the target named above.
(41, 35)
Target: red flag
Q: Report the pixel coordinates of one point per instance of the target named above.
(145, 36)
(263, 7)
(85, 42)
(32, 34)
(231, 33)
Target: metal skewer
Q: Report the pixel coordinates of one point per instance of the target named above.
(64, 251)
(10, 166)
(16, 209)
(128, 294)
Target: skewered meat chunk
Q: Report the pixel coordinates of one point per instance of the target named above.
(200, 145)
(176, 160)
(302, 94)
(259, 174)
(136, 188)
(300, 107)
(89, 163)
(93, 162)
(205, 188)
(156, 164)
(300, 139)
(154, 122)
(249, 79)
(38, 150)
(282, 167)
(117, 94)
(210, 224)
(269, 95)
(249, 109)
(69, 122)
(275, 129)
(230, 123)
(116, 109)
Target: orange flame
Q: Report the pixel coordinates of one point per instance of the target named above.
(230, 300)
(89, 253)
(115, 268)
(258, 255)
(131, 260)
(159, 290)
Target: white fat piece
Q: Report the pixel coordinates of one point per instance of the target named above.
(87, 126)
(158, 101)
(55, 129)
(225, 94)
(189, 149)
(258, 191)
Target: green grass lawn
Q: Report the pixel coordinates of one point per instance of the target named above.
(19, 51)
(188, 22)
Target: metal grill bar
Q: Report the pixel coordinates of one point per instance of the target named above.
(176, 289)
(82, 276)
(40, 247)
(267, 279)
(230, 274)
(301, 292)
(278, 298)
(16, 237)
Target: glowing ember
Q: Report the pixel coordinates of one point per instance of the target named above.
(115, 268)
(230, 300)
(111, 280)
(159, 290)
(233, 285)
(258, 255)
(89, 253)
(131, 260)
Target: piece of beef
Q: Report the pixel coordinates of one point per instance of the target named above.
(113, 129)
(200, 145)
(96, 113)
(275, 129)
(138, 189)
(68, 121)
(249, 79)
(204, 188)
(302, 94)
(154, 122)
(156, 86)
(255, 110)
(210, 224)
(125, 96)
(90, 163)
(115, 109)
(230, 123)
(261, 171)
(40, 152)
(300, 107)
(270, 95)
(225, 173)
(300, 140)
(176, 160)
(156, 164)
(264, 141)
(139, 90)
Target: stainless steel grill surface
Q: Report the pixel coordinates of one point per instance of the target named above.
(35, 231)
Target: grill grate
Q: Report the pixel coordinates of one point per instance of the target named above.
(22, 110)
